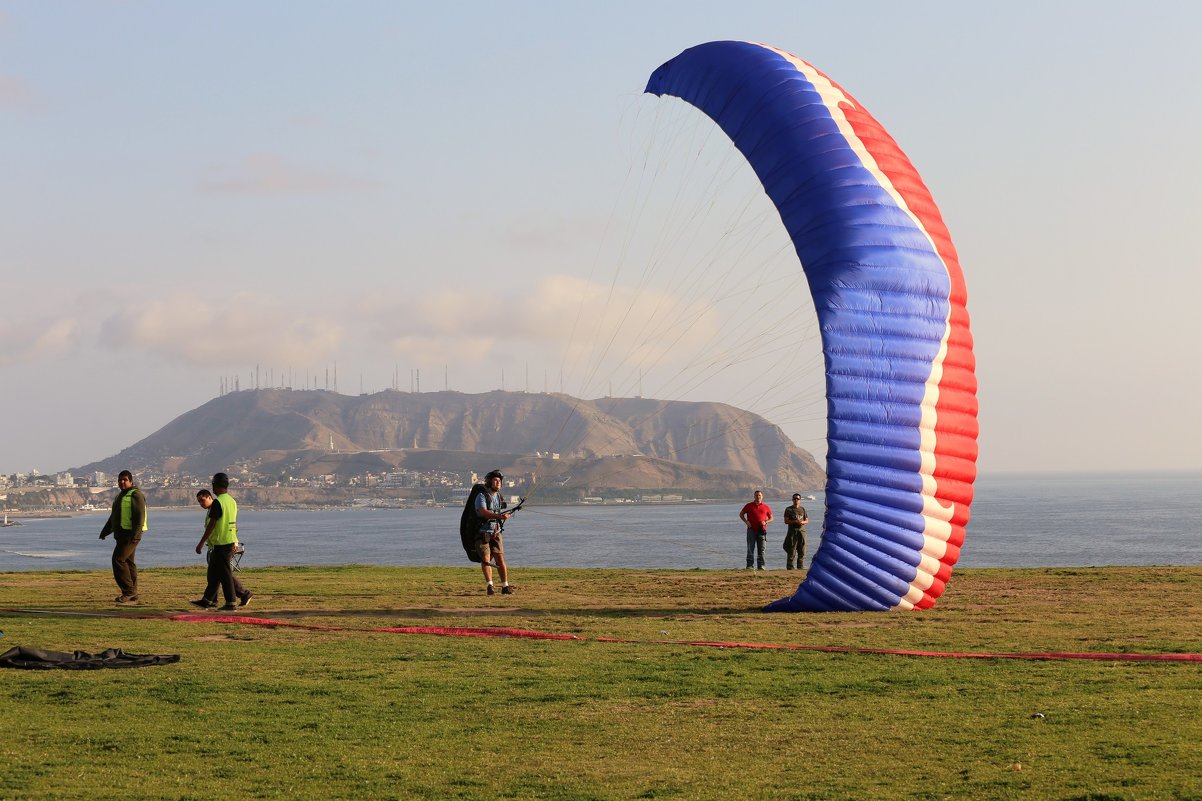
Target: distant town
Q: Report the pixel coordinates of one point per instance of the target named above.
(65, 492)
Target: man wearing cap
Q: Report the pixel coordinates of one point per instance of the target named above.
(490, 512)
(795, 536)
(209, 599)
(221, 532)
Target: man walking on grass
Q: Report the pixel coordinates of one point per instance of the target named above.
(209, 599)
(221, 531)
(126, 523)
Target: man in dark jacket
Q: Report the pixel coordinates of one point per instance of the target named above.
(126, 523)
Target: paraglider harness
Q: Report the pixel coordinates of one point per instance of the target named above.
(469, 524)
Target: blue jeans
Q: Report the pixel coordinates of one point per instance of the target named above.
(755, 542)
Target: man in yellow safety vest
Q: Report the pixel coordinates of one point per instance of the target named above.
(221, 531)
(126, 523)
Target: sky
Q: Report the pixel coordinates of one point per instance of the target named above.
(202, 196)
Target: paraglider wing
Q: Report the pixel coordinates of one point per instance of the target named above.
(890, 299)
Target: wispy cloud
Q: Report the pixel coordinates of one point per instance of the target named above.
(36, 339)
(244, 329)
(576, 318)
(271, 174)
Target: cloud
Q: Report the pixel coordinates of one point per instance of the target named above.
(561, 317)
(243, 329)
(589, 319)
(36, 339)
(270, 174)
(467, 350)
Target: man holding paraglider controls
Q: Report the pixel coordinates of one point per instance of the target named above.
(491, 514)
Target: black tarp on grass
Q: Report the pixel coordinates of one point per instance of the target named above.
(38, 659)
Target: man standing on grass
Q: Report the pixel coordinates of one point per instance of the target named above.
(221, 531)
(796, 518)
(490, 514)
(756, 516)
(126, 523)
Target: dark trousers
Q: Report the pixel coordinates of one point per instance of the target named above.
(221, 573)
(210, 593)
(125, 572)
(795, 546)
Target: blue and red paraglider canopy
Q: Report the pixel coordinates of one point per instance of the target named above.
(890, 297)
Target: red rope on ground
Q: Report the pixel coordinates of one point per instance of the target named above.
(453, 631)
(445, 631)
(838, 649)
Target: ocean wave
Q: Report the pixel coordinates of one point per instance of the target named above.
(46, 554)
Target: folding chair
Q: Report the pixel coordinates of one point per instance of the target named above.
(235, 556)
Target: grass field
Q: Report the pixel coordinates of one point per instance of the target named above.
(268, 712)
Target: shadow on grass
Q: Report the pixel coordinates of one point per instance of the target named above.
(431, 613)
(402, 613)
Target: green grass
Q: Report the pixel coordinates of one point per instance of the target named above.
(258, 712)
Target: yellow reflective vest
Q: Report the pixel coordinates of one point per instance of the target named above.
(127, 511)
(226, 530)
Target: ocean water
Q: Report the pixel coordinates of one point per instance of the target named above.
(1048, 520)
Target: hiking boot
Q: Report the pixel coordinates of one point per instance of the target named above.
(490, 590)
(507, 590)
(203, 603)
(229, 608)
(244, 598)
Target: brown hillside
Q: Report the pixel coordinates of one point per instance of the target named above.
(270, 429)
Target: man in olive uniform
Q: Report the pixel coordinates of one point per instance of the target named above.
(126, 523)
(795, 536)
